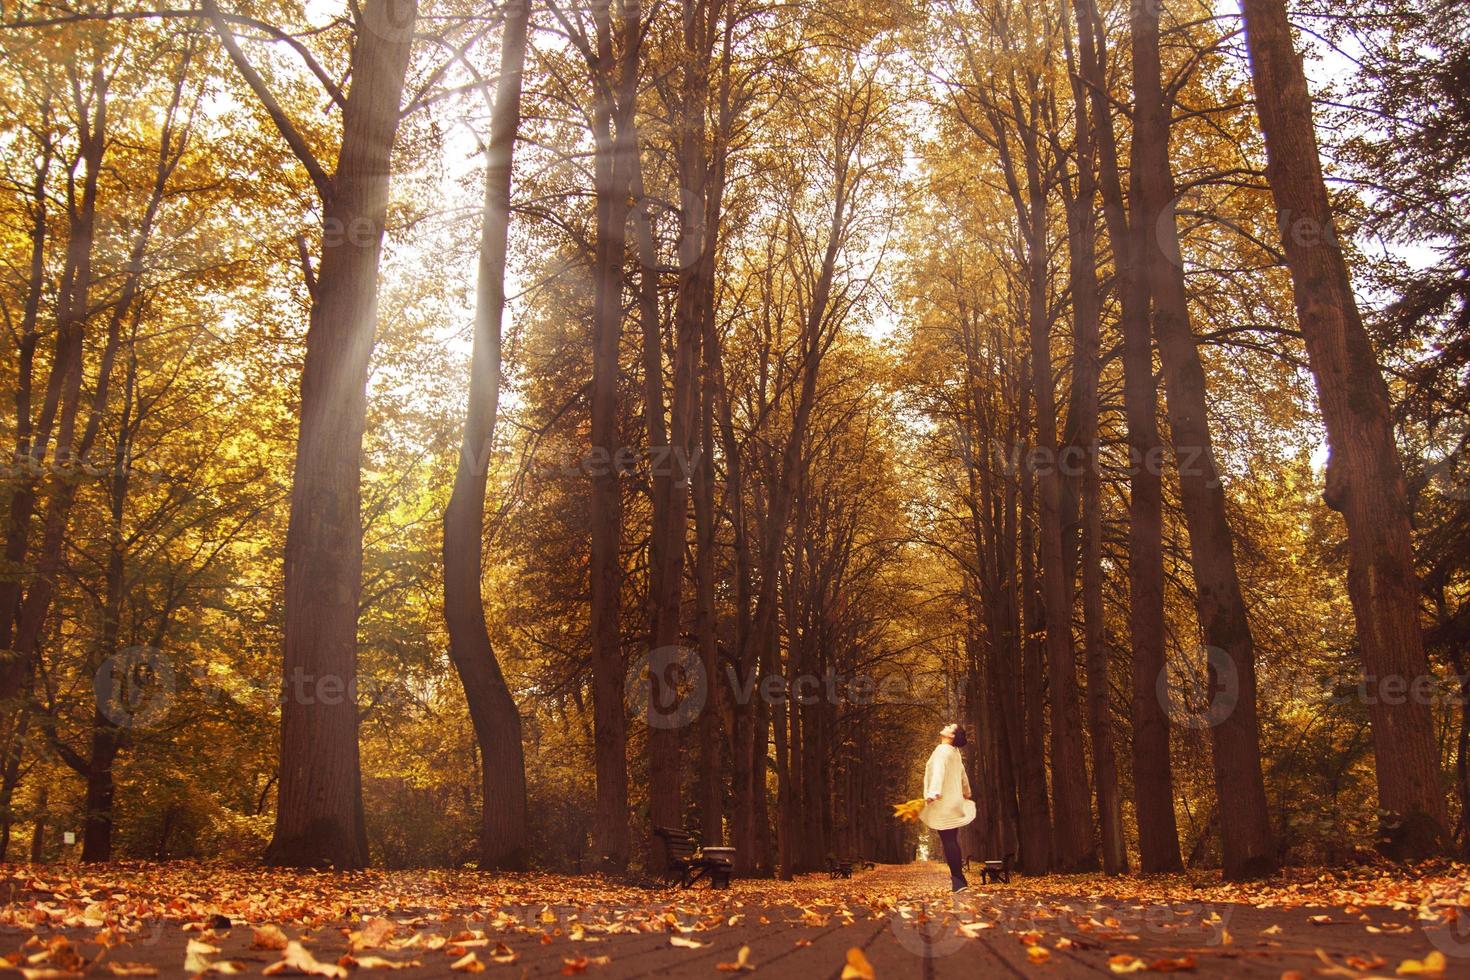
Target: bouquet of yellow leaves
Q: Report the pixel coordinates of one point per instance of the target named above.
(908, 812)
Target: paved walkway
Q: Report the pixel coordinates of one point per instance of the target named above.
(900, 918)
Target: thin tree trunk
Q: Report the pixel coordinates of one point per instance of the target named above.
(38, 831)
(1365, 479)
(711, 788)
(503, 830)
(1072, 816)
(1087, 320)
(22, 498)
(1036, 823)
(29, 604)
(1153, 780)
(786, 724)
(615, 163)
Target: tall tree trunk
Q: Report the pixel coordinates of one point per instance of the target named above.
(706, 624)
(1072, 816)
(1036, 823)
(1365, 479)
(25, 600)
(318, 818)
(1153, 779)
(711, 379)
(1245, 827)
(817, 336)
(1086, 372)
(786, 724)
(97, 820)
(503, 831)
(671, 485)
(615, 163)
(107, 741)
(22, 497)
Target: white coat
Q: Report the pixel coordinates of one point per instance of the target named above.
(945, 777)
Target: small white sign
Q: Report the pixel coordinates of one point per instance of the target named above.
(68, 837)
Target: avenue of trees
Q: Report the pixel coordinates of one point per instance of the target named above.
(448, 433)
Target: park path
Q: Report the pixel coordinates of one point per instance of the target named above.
(900, 918)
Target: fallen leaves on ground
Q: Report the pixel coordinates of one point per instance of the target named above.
(296, 959)
(1432, 965)
(387, 920)
(857, 966)
(742, 962)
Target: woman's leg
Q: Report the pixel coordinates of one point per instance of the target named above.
(951, 841)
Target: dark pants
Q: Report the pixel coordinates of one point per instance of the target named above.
(952, 856)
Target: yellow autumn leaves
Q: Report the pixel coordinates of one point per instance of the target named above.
(909, 811)
(857, 966)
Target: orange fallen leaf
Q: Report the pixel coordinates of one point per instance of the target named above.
(1124, 963)
(742, 962)
(1038, 954)
(1172, 965)
(468, 963)
(196, 956)
(1432, 965)
(375, 963)
(578, 964)
(857, 966)
(268, 937)
(374, 933)
(298, 960)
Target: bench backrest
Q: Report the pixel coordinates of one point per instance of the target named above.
(679, 843)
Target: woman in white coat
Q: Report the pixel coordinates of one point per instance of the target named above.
(947, 798)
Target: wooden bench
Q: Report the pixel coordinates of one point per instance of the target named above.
(687, 863)
(843, 867)
(994, 872)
